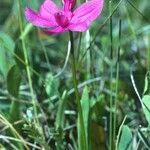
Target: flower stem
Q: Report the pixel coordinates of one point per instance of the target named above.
(82, 142)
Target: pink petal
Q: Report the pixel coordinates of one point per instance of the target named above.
(80, 27)
(38, 20)
(69, 5)
(56, 30)
(88, 11)
(48, 9)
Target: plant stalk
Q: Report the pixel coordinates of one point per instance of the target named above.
(82, 143)
(111, 138)
(117, 82)
(27, 62)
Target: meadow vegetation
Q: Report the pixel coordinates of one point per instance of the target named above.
(38, 96)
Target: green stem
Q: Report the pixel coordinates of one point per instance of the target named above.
(111, 110)
(115, 104)
(111, 84)
(117, 80)
(27, 62)
(79, 45)
(34, 100)
(73, 65)
(82, 143)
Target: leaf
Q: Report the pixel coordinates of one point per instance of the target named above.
(82, 144)
(85, 106)
(126, 139)
(6, 50)
(59, 123)
(147, 84)
(60, 113)
(13, 80)
(13, 83)
(51, 85)
(7, 41)
(3, 63)
(146, 107)
(19, 56)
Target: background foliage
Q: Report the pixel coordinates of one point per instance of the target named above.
(53, 126)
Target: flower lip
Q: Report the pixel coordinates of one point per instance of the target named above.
(61, 19)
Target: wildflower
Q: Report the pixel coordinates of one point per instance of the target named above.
(56, 20)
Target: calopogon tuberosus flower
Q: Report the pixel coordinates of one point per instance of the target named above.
(56, 20)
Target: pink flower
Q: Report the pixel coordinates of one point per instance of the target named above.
(57, 20)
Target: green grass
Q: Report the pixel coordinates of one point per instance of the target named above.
(100, 103)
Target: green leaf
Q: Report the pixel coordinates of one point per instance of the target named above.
(6, 50)
(59, 123)
(13, 81)
(82, 144)
(83, 127)
(126, 139)
(7, 41)
(147, 84)
(51, 85)
(19, 56)
(85, 104)
(60, 113)
(146, 107)
(3, 63)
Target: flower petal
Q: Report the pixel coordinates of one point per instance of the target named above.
(56, 30)
(69, 5)
(88, 11)
(80, 27)
(48, 9)
(38, 20)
